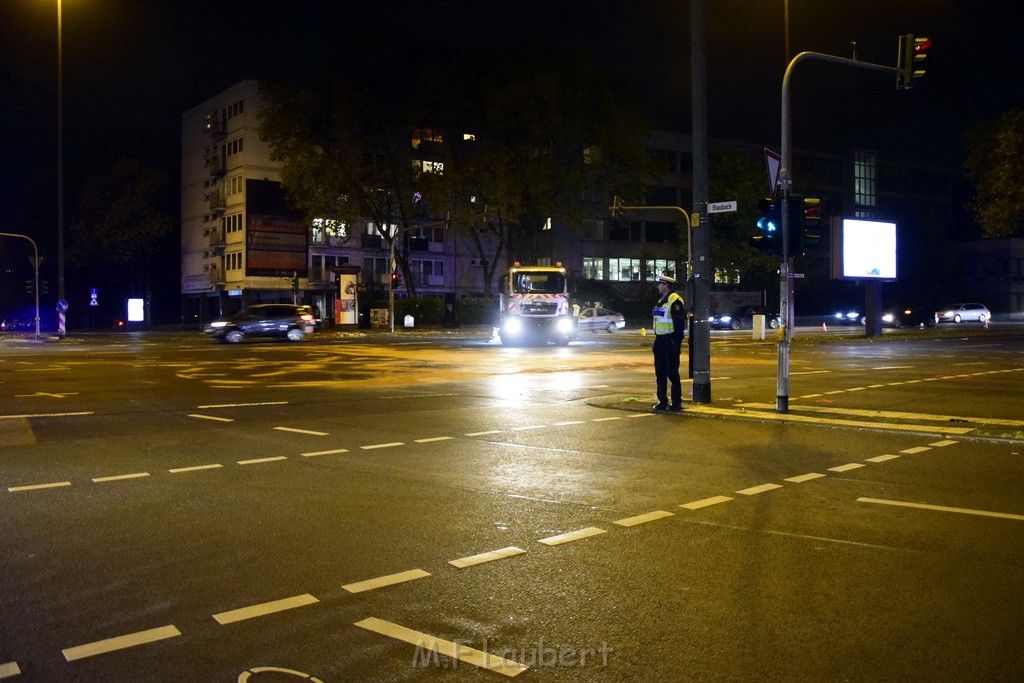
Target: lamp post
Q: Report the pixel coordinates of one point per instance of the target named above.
(60, 152)
(35, 265)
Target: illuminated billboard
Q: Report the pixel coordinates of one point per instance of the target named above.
(863, 249)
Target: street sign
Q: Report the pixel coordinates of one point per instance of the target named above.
(721, 207)
(772, 162)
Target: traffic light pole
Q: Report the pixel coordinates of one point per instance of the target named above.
(786, 183)
(35, 265)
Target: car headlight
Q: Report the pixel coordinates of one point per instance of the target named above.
(888, 318)
(726, 319)
(218, 324)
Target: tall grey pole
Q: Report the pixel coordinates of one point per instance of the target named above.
(60, 153)
(700, 337)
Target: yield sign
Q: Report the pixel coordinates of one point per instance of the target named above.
(772, 162)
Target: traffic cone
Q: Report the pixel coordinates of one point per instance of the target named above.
(823, 328)
(643, 331)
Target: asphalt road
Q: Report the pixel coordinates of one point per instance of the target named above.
(437, 507)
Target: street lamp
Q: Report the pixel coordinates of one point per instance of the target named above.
(60, 153)
(35, 264)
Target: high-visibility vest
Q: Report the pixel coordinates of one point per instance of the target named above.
(663, 314)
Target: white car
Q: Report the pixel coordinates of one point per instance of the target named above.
(595, 319)
(960, 313)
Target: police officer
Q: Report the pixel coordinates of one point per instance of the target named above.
(669, 328)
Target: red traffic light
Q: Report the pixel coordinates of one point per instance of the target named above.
(921, 44)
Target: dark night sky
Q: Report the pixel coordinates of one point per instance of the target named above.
(132, 67)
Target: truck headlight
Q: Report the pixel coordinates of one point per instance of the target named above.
(565, 325)
(513, 326)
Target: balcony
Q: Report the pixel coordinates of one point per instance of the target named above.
(217, 277)
(217, 241)
(217, 166)
(215, 127)
(218, 200)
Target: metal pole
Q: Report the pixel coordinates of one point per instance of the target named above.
(35, 264)
(60, 152)
(700, 339)
(786, 182)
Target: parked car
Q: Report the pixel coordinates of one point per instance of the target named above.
(961, 313)
(595, 319)
(907, 316)
(743, 318)
(282, 321)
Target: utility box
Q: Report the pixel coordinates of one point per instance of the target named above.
(758, 324)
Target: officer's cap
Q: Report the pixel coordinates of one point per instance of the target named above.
(666, 279)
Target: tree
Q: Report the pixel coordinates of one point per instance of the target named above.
(550, 136)
(346, 154)
(119, 220)
(738, 175)
(995, 164)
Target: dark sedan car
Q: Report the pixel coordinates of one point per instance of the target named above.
(743, 318)
(908, 316)
(282, 321)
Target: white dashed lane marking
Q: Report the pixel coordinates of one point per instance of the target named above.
(882, 458)
(705, 502)
(195, 468)
(257, 461)
(436, 438)
(459, 651)
(573, 536)
(375, 446)
(301, 431)
(335, 451)
(763, 488)
(474, 560)
(644, 518)
(119, 643)
(801, 478)
(847, 467)
(385, 581)
(37, 487)
(120, 477)
(211, 417)
(9, 670)
(264, 608)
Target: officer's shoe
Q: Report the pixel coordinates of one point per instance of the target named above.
(675, 408)
(659, 407)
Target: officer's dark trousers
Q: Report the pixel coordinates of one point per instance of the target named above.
(666, 368)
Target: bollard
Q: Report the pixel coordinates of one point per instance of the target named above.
(408, 321)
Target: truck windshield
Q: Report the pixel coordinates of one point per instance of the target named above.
(538, 283)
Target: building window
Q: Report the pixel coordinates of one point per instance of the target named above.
(865, 176)
(659, 266)
(235, 146)
(593, 229)
(593, 268)
(376, 265)
(233, 260)
(624, 269)
(232, 223)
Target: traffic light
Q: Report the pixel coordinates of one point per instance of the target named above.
(295, 283)
(396, 280)
(804, 224)
(910, 61)
(44, 287)
(768, 237)
(30, 287)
